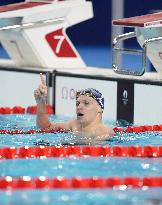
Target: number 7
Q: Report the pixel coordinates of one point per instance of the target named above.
(58, 46)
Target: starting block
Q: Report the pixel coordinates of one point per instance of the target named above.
(148, 32)
(34, 32)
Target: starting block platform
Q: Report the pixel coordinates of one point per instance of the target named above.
(34, 32)
(146, 21)
(148, 32)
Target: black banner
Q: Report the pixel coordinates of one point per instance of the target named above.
(125, 100)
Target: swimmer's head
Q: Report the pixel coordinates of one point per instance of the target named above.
(95, 94)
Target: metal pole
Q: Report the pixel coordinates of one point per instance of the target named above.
(117, 13)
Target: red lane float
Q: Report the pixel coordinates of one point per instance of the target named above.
(42, 182)
(130, 129)
(22, 110)
(12, 132)
(79, 151)
(143, 128)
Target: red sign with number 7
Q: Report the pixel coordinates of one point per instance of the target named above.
(59, 44)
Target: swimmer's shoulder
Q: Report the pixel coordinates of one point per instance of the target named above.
(104, 131)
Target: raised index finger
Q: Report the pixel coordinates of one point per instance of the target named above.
(42, 79)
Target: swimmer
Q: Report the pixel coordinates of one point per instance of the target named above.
(89, 110)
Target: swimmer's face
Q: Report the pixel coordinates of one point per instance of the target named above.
(87, 109)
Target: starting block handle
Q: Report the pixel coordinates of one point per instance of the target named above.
(32, 24)
(116, 50)
(142, 52)
(146, 42)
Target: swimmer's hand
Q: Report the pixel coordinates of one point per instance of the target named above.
(40, 93)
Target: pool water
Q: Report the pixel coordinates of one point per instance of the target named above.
(83, 197)
(77, 166)
(84, 167)
(28, 122)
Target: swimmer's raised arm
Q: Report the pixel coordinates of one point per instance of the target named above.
(43, 82)
(40, 95)
(42, 121)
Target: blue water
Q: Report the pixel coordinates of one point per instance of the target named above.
(50, 139)
(77, 166)
(27, 122)
(85, 167)
(83, 197)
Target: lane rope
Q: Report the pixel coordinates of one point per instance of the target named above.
(42, 182)
(129, 129)
(80, 151)
(136, 129)
(21, 110)
(12, 132)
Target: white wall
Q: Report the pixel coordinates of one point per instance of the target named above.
(16, 88)
(147, 104)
